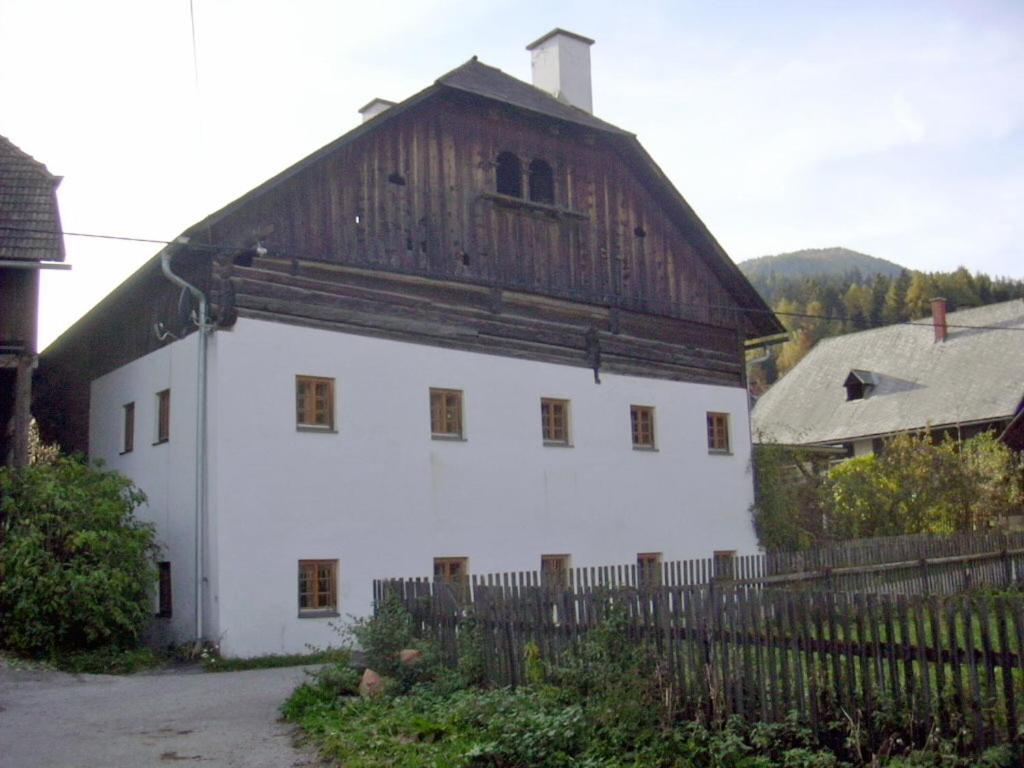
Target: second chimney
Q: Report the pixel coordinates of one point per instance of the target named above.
(561, 66)
(939, 319)
(375, 107)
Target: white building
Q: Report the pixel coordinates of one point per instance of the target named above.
(479, 330)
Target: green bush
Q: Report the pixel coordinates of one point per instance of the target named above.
(76, 567)
(382, 636)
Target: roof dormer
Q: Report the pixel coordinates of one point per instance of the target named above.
(859, 384)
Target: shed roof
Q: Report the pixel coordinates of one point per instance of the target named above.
(29, 220)
(975, 376)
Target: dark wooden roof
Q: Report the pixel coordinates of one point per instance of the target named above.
(491, 83)
(29, 220)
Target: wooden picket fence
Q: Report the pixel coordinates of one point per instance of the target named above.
(745, 636)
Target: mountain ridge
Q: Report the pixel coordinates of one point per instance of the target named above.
(817, 262)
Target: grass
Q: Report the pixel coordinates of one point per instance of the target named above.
(110, 661)
(213, 663)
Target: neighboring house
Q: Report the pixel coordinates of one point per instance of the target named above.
(960, 373)
(480, 332)
(30, 240)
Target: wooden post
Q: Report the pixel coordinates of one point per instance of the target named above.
(22, 414)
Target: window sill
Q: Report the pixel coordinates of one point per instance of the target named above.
(125, 453)
(557, 444)
(645, 448)
(314, 428)
(521, 202)
(718, 452)
(161, 442)
(448, 438)
(162, 616)
(319, 614)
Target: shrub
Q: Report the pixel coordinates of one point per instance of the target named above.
(382, 636)
(76, 567)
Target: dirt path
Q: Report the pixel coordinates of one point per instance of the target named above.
(53, 720)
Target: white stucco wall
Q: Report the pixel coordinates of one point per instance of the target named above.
(384, 499)
(863, 447)
(164, 472)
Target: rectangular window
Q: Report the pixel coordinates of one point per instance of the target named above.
(314, 402)
(724, 563)
(318, 586)
(554, 570)
(129, 429)
(446, 412)
(164, 594)
(554, 420)
(718, 432)
(163, 416)
(648, 568)
(642, 417)
(451, 570)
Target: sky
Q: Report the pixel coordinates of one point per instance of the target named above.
(892, 128)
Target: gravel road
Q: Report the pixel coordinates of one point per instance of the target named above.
(54, 720)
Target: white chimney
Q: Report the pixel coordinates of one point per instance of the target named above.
(374, 108)
(561, 66)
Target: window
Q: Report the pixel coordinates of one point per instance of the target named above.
(314, 402)
(164, 591)
(318, 586)
(163, 416)
(648, 568)
(129, 429)
(451, 570)
(508, 175)
(554, 421)
(724, 561)
(718, 432)
(554, 570)
(642, 417)
(446, 413)
(542, 182)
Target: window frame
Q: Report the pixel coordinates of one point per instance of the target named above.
(446, 431)
(445, 563)
(165, 602)
(636, 414)
(318, 609)
(555, 577)
(541, 181)
(718, 433)
(309, 409)
(508, 167)
(649, 563)
(128, 428)
(547, 422)
(163, 416)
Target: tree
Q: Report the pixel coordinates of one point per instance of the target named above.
(917, 485)
(76, 566)
(787, 510)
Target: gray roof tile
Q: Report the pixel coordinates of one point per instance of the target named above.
(975, 375)
(29, 220)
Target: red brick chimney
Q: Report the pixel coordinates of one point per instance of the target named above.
(939, 319)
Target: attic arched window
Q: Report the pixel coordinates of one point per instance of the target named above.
(509, 175)
(542, 182)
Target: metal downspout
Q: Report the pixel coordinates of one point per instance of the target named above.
(203, 331)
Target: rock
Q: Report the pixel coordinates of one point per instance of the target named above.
(409, 656)
(372, 685)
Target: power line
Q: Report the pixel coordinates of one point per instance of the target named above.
(284, 254)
